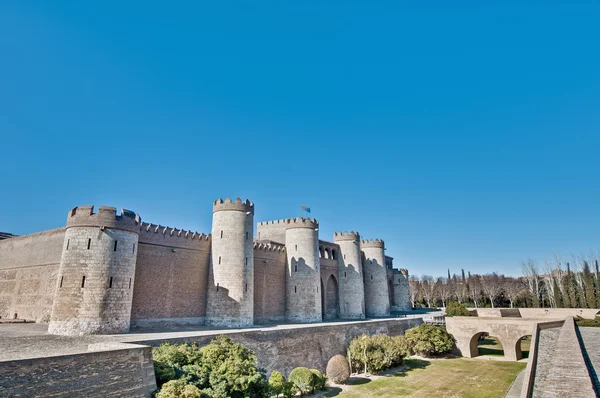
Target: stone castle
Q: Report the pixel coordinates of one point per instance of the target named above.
(103, 273)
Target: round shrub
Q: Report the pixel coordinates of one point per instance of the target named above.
(178, 389)
(320, 379)
(338, 369)
(457, 309)
(428, 340)
(279, 385)
(304, 380)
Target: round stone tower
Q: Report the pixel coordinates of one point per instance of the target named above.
(230, 298)
(377, 300)
(303, 278)
(350, 276)
(95, 279)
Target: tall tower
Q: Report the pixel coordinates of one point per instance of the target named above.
(350, 275)
(95, 279)
(303, 278)
(377, 300)
(230, 298)
(401, 290)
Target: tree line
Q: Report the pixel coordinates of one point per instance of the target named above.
(556, 284)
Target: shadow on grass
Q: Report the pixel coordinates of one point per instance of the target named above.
(357, 381)
(332, 392)
(409, 365)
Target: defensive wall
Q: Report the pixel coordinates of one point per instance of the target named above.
(290, 346)
(106, 272)
(121, 365)
(127, 371)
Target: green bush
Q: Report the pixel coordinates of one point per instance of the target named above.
(456, 309)
(428, 340)
(178, 389)
(320, 380)
(338, 369)
(586, 322)
(279, 385)
(375, 353)
(222, 368)
(304, 380)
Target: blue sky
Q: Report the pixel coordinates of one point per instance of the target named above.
(466, 136)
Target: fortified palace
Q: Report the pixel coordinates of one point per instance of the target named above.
(104, 272)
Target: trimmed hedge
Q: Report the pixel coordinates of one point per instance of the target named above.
(457, 309)
(428, 340)
(304, 380)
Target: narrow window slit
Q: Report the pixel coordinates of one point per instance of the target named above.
(115, 249)
(61, 281)
(83, 281)
(89, 243)
(219, 259)
(133, 248)
(130, 283)
(68, 241)
(217, 287)
(110, 283)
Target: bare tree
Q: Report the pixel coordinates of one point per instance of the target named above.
(491, 285)
(442, 290)
(427, 289)
(415, 288)
(531, 274)
(513, 288)
(474, 288)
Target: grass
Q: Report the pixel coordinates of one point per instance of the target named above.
(492, 347)
(583, 322)
(460, 377)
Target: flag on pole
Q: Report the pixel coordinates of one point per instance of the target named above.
(306, 209)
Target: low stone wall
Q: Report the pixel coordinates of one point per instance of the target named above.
(120, 372)
(534, 312)
(311, 346)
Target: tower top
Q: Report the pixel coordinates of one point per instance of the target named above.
(300, 222)
(372, 243)
(339, 236)
(84, 216)
(233, 205)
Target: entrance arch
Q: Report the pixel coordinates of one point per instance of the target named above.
(331, 298)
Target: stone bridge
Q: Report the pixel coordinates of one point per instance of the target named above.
(467, 330)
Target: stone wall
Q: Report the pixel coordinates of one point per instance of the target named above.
(170, 284)
(117, 373)
(269, 283)
(28, 271)
(312, 346)
(401, 291)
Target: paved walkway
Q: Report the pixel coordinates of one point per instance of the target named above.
(547, 342)
(517, 385)
(591, 342)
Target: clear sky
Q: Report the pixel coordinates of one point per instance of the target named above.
(465, 136)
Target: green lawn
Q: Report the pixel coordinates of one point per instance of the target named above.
(460, 377)
(491, 346)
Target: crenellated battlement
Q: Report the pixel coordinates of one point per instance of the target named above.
(160, 234)
(269, 246)
(300, 222)
(274, 222)
(233, 205)
(372, 243)
(107, 217)
(338, 236)
(404, 271)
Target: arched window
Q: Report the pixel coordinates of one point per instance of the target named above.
(333, 254)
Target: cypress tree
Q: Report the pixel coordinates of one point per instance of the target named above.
(597, 285)
(590, 291)
(557, 295)
(566, 288)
